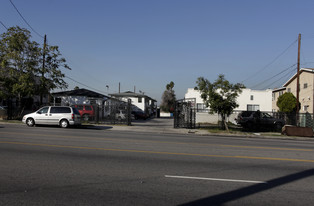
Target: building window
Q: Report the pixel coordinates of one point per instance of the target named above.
(305, 85)
(200, 107)
(252, 107)
(280, 93)
(289, 90)
(140, 100)
(252, 97)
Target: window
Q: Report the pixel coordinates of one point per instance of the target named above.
(280, 93)
(60, 110)
(252, 97)
(289, 90)
(80, 107)
(305, 85)
(274, 97)
(200, 107)
(43, 110)
(140, 100)
(252, 107)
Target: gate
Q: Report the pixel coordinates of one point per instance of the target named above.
(117, 112)
(113, 111)
(184, 113)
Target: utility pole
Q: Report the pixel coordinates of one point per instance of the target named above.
(298, 79)
(43, 73)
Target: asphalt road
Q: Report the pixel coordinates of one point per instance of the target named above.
(96, 166)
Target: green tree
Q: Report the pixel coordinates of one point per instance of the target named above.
(18, 63)
(21, 63)
(220, 96)
(168, 98)
(51, 76)
(287, 103)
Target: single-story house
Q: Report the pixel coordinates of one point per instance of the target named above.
(78, 96)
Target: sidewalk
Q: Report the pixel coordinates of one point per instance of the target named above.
(165, 126)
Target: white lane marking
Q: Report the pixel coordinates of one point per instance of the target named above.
(215, 179)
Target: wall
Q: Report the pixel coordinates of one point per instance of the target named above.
(263, 98)
(306, 97)
(134, 101)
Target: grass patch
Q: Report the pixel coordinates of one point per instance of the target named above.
(11, 121)
(233, 129)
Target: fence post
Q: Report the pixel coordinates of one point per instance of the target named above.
(129, 119)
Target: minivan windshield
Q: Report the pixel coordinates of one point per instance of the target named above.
(43, 110)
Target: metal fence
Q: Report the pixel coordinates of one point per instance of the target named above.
(184, 114)
(111, 112)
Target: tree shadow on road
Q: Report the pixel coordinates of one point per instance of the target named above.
(93, 127)
(85, 127)
(223, 198)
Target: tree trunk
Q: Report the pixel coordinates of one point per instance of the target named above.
(224, 123)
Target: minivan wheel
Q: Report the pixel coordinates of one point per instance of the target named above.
(30, 122)
(64, 123)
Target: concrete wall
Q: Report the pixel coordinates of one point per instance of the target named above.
(204, 117)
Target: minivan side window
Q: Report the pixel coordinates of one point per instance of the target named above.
(60, 110)
(43, 110)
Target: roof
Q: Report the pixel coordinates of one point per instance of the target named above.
(295, 75)
(130, 94)
(279, 89)
(80, 92)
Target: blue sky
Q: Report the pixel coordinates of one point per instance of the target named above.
(148, 43)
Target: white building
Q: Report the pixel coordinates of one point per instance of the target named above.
(251, 100)
(139, 101)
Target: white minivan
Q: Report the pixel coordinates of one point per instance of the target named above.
(54, 115)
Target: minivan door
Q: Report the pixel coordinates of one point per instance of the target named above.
(41, 116)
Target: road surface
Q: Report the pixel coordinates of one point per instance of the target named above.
(96, 166)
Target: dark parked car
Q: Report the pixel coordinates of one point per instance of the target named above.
(253, 120)
(139, 115)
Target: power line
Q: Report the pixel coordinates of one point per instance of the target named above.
(3, 25)
(276, 81)
(271, 61)
(25, 20)
(274, 76)
(85, 85)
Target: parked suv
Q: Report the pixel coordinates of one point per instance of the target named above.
(259, 120)
(86, 111)
(53, 115)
